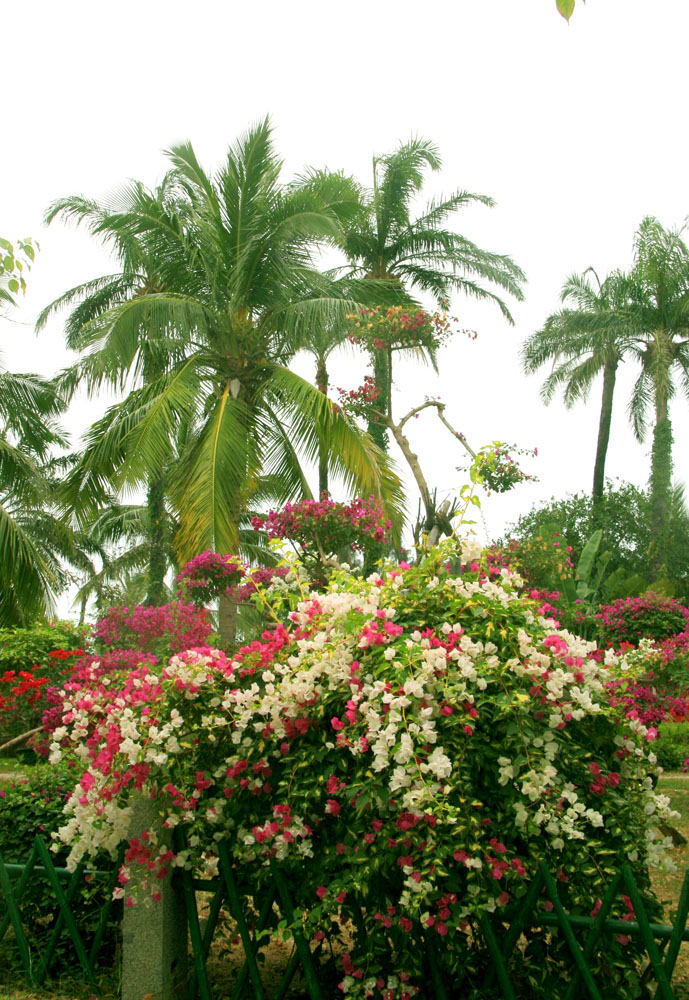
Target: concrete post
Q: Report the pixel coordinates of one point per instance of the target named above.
(154, 939)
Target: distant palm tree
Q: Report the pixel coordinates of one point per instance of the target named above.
(146, 355)
(581, 348)
(34, 543)
(644, 314)
(384, 243)
(659, 318)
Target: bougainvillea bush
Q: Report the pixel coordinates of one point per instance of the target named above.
(459, 738)
(650, 616)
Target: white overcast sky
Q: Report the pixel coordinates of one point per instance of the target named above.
(577, 132)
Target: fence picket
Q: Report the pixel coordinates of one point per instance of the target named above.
(595, 932)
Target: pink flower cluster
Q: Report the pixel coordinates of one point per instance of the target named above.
(180, 626)
(334, 525)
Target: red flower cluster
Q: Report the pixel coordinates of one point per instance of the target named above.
(362, 401)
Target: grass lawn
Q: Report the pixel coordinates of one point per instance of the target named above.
(667, 888)
(10, 768)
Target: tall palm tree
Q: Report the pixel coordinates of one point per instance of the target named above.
(659, 318)
(240, 294)
(421, 255)
(581, 348)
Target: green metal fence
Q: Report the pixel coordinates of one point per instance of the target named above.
(661, 942)
(254, 910)
(36, 964)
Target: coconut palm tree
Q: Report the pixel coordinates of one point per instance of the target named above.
(240, 292)
(580, 348)
(420, 255)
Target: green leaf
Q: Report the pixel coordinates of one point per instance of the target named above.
(13, 285)
(8, 263)
(566, 8)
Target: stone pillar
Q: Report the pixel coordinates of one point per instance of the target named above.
(154, 938)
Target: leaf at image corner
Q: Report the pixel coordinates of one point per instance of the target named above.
(566, 8)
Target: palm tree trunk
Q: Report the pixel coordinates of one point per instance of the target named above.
(376, 428)
(227, 621)
(609, 375)
(227, 605)
(661, 482)
(157, 561)
(323, 450)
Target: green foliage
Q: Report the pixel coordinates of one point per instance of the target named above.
(566, 8)
(33, 806)
(672, 746)
(25, 648)
(623, 514)
(14, 261)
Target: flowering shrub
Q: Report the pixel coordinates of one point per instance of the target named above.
(20, 693)
(24, 694)
(544, 558)
(170, 627)
(655, 688)
(633, 618)
(91, 673)
(325, 526)
(459, 739)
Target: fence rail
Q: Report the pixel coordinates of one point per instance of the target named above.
(253, 910)
(40, 864)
